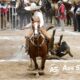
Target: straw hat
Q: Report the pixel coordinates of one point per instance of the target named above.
(32, 7)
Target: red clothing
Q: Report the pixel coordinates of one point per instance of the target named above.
(62, 11)
(4, 10)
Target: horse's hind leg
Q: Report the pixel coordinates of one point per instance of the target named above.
(43, 63)
(35, 63)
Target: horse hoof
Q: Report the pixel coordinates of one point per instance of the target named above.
(37, 74)
(41, 72)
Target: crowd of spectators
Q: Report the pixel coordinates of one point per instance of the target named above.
(62, 13)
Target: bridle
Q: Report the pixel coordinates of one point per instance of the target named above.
(36, 35)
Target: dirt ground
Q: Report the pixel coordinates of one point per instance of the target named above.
(55, 70)
(11, 41)
(14, 64)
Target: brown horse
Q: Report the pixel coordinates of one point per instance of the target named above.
(37, 46)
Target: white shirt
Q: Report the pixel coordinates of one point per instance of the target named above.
(78, 10)
(40, 15)
(72, 9)
(26, 1)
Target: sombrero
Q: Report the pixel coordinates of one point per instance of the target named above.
(32, 7)
(59, 2)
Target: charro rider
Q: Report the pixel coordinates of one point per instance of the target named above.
(37, 16)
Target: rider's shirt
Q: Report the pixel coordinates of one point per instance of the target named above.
(40, 15)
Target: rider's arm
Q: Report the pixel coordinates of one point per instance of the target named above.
(28, 25)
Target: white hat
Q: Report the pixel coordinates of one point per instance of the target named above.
(33, 6)
(65, 0)
(59, 2)
(69, 2)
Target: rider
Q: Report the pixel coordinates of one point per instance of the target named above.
(37, 16)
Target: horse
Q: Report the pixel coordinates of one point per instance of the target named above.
(37, 46)
(61, 48)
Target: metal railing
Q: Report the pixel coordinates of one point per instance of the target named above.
(9, 18)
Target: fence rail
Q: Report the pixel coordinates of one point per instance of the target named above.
(8, 17)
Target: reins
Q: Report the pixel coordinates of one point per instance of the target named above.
(32, 40)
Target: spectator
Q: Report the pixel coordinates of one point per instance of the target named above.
(73, 11)
(78, 15)
(4, 11)
(62, 13)
(13, 14)
(68, 13)
(56, 15)
(24, 15)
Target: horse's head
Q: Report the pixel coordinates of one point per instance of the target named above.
(36, 26)
(37, 39)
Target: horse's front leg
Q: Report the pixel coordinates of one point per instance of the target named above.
(35, 63)
(31, 63)
(43, 63)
